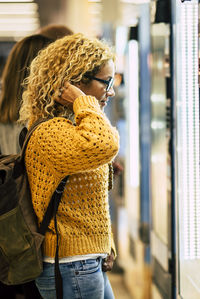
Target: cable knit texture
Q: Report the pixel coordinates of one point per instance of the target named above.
(58, 148)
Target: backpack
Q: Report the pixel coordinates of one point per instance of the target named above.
(20, 237)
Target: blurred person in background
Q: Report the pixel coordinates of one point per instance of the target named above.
(15, 71)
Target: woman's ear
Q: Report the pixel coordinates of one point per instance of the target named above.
(82, 86)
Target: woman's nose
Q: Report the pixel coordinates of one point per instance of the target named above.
(111, 92)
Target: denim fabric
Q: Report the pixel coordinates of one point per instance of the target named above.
(81, 280)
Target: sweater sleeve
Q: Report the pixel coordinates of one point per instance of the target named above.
(71, 149)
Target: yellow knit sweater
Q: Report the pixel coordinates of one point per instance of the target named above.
(58, 148)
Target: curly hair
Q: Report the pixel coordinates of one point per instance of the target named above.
(67, 59)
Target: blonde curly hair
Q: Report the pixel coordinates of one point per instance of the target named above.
(71, 58)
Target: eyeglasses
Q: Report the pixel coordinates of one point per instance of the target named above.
(109, 83)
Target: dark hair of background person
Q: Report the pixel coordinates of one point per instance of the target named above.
(17, 68)
(55, 31)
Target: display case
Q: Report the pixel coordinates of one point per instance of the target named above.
(187, 149)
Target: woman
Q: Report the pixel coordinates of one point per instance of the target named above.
(71, 81)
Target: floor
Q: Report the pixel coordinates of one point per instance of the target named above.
(118, 286)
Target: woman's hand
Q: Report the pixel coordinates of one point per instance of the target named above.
(68, 94)
(107, 263)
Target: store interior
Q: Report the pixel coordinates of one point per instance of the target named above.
(155, 202)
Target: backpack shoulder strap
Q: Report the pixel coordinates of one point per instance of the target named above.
(22, 136)
(53, 206)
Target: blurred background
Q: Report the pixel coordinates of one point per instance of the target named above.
(155, 203)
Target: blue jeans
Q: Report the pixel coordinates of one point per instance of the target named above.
(81, 280)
